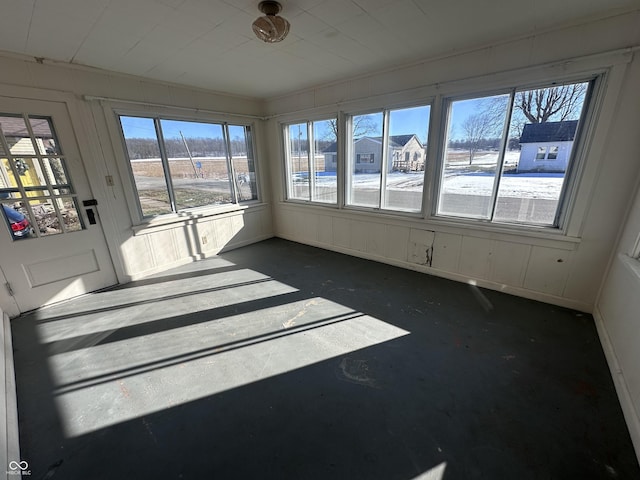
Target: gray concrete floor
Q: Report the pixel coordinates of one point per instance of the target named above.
(283, 361)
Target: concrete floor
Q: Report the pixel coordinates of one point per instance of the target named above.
(283, 361)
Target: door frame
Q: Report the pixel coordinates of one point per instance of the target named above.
(92, 156)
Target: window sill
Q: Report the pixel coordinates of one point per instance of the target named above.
(633, 264)
(170, 221)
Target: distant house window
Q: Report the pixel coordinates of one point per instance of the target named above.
(178, 165)
(365, 158)
(407, 156)
(547, 153)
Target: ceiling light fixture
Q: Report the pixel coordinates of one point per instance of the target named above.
(271, 27)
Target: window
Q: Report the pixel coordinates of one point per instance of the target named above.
(492, 161)
(178, 165)
(504, 158)
(36, 193)
(381, 145)
(311, 161)
(365, 157)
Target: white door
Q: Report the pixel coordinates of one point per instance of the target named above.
(52, 246)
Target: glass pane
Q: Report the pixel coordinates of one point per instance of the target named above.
(325, 147)
(474, 135)
(17, 220)
(46, 217)
(531, 186)
(69, 211)
(298, 152)
(407, 155)
(7, 177)
(56, 171)
(365, 158)
(243, 162)
(17, 135)
(144, 156)
(197, 156)
(30, 172)
(44, 136)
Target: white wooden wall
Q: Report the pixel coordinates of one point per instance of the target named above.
(617, 316)
(561, 269)
(568, 271)
(136, 250)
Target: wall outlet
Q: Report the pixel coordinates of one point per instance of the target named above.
(204, 239)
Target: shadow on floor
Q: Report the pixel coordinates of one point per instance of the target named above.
(279, 360)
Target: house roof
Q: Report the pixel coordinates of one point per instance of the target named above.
(549, 132)
(402, 140)
(332, 148)
(394, 141)
(15, 127)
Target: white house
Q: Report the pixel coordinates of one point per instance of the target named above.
(406, 153)
(546, 147)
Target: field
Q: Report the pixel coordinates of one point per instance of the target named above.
(215, 168)
(205, 181)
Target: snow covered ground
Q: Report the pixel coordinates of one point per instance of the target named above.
(524, 185)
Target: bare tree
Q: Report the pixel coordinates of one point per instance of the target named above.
(561, 103)
(362, 125)
(477, 128)
(487, 123)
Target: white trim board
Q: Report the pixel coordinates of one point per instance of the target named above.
(626, 402)
(9, 434)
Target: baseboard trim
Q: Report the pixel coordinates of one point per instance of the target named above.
(626, 402)
(479, 282)
(9, 405)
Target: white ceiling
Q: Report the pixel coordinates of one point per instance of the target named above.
(209, 43)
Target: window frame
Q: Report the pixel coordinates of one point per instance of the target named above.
(311, 162)
(635, 250)
(131, 192)
(350, 159)
(571, 204)
(596, 81)
(49, 191)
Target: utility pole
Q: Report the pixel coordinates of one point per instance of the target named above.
(195, 170)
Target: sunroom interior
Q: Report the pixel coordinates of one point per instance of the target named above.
(139, 138)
